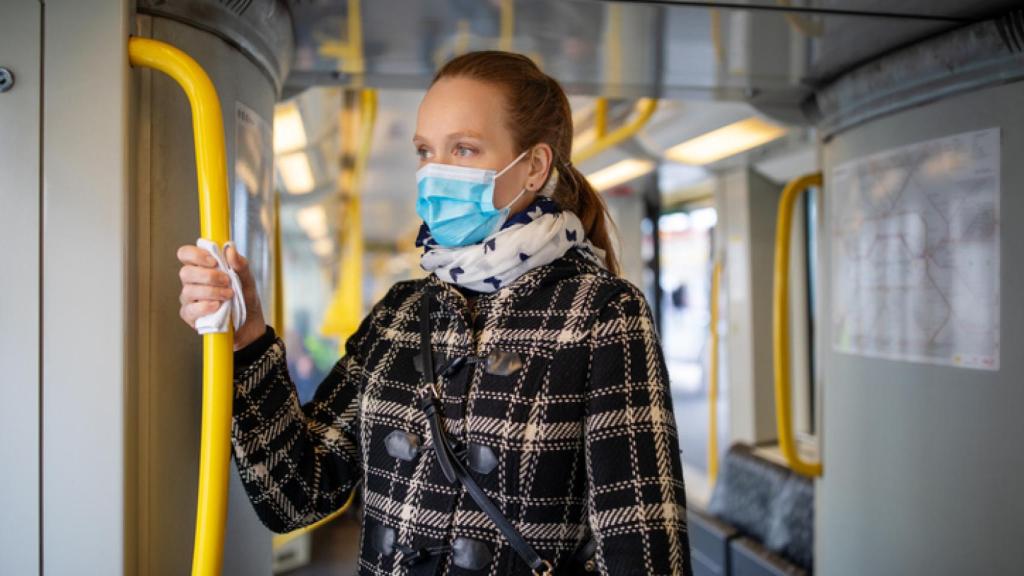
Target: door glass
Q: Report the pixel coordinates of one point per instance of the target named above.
(685, 238)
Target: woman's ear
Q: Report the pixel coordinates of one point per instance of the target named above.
(540, 166)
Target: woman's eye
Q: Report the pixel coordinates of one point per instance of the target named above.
(464, 151)
(423, 153)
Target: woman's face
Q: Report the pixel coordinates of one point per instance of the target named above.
(464, 122)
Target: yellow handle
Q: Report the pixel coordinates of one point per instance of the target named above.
(211, 172)
(644, 110)
(716, 280)
(780, 324)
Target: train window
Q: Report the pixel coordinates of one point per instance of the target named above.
(802, 319)
(685, 258)
(809, 425)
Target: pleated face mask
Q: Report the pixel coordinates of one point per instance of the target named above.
(457, 202)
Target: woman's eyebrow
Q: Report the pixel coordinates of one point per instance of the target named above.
(453, 135)
(465, 134)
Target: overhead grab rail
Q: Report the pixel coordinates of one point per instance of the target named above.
(218, 359)
(780, 324)
(645, 108)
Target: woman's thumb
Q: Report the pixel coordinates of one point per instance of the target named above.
(237, 262)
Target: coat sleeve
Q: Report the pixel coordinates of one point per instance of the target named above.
(298, 463)
(636, 499)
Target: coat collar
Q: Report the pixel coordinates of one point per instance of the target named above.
(572, 263)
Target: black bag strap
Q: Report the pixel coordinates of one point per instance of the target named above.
(453, 468)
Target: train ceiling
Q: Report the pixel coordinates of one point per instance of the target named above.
(712, 62)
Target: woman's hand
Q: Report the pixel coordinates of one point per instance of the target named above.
(204, 288)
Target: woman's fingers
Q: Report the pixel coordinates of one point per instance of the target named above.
(190, 274)
(205, 287)
(196, 256)
(192, 311)
(196, 292)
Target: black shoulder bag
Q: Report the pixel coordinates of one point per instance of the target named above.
(455, 470)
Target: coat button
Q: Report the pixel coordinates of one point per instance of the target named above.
(439, 360)
(402, 445)
(481, 458)
(503, 363)
(383, 539)
(470, 554)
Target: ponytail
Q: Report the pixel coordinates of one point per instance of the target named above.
(575, 194)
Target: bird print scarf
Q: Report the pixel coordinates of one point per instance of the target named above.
(538, 235)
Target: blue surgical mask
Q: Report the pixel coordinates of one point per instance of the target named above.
(457, 202)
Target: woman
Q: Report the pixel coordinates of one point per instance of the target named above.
(541, 437)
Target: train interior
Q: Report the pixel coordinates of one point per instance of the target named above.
(808, 193)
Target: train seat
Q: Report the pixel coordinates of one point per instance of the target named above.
(760, 521)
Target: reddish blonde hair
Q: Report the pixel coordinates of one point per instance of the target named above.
(539, 112)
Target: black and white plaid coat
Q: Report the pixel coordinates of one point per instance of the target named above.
(568, 426)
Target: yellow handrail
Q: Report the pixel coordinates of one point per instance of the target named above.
(716, 279)
(218, 360)
(345, 310)
(780, 324)
(282, 539)
(645, 109)
(278, 258)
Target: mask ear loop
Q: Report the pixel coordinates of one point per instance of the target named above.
(511, 164)
(507, 208)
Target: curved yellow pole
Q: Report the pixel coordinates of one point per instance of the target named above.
(211, 172)
(780, 324)
(645, 109)
(716, 280)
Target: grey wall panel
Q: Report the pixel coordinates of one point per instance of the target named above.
(20, 43)
(923, 463)
(170, 358)
(747, 202)
(85, 190)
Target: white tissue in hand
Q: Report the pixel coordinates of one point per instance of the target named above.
(217, 322)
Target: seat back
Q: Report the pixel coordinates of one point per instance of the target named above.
(767, 502)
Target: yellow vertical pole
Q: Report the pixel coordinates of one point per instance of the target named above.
(601, 117)
(218, 359)
(507, 25)
(613, 54)
(278, 269)
(345, 311)
(716, 280)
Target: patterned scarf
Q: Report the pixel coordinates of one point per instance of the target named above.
(538, 235)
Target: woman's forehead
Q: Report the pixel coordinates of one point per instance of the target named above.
(462, 107)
